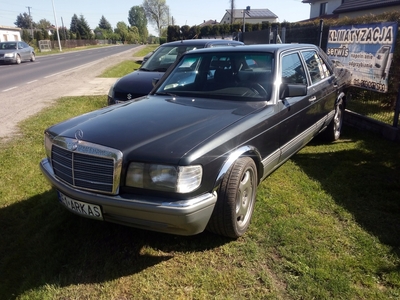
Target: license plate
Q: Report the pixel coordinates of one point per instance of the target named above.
(81, 208)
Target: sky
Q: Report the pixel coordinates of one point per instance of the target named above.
(184, 12)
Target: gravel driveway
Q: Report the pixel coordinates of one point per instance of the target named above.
(32, 98)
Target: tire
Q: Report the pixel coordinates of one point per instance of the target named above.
(236, 198)
(18, 59)
(33, 57)
(334, 129)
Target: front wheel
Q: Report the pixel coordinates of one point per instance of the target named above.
(33, 57)
(18, 59)
(236, 198)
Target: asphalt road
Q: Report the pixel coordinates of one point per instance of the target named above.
(15, 76)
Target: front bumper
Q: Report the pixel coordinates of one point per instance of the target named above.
(8, 60)
(182, 217)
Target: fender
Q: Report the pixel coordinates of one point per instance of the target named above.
(233, 156)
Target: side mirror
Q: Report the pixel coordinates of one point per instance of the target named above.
(155, 81)
(292, 90)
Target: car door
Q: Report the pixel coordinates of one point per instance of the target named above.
(294, 111)
(322, 89)
(22, 50)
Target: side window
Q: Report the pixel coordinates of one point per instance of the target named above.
(316, 66)
(292, 69)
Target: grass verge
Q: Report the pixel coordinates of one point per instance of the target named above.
(326, 226)
(127, 66)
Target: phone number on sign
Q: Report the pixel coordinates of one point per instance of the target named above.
(371, 85)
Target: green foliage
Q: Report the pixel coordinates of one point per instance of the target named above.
(80, 28)
(38, 35)
(104, 24)
(74, 24)
(25, 35)
(43, 24)
(24, 21)
(157, 13)
(137, 18)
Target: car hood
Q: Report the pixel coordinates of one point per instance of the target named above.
(156, 128)
(137, 82)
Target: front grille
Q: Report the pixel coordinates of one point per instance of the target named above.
(87, 167)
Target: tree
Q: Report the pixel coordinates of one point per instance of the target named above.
(80, 28)
(24, 21)
(84, 29)
(122, 31)
(104, 30)
(74, 24)
(44, 24)
(137, 18)
(104, 24)
(157, 12)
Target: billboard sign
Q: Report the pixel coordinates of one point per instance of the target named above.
(366, 50)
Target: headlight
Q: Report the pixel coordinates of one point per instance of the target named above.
(48, 143)
(9, 54)
(179, 179)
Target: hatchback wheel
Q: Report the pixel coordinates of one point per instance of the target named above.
(236, 198)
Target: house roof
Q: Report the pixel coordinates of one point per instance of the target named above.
(257, 13)
(209, 22)
(357, 5)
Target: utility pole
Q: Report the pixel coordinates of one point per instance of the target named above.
(30, 19)
(55, 20)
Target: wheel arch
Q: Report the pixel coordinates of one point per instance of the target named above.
(341, 97)
(248, 151)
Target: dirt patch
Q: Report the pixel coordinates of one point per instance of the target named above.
(29, 99)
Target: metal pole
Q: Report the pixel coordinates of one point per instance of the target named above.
(55, 19)
(244, 26)
(321, 27)
(397, 110)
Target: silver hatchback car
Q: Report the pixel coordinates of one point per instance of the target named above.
(16, 52)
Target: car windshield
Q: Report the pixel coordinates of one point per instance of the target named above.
(222, 75)
(164, 57)
(6, 46)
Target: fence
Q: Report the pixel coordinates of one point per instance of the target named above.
(78, 43)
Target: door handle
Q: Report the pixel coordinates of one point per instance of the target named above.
(312, 99)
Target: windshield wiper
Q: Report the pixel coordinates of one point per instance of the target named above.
(160, 70)
(164, 94)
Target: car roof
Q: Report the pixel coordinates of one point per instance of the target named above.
(202, 42)
(259, 48)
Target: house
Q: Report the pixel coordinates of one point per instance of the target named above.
(251, 16)
(8, 33)
(209, 22)
(349, 8)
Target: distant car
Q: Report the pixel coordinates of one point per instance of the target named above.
(190, 155)
(139, 83)
(16, 52)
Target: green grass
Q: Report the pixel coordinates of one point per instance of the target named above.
(326, 226)
(127, 66)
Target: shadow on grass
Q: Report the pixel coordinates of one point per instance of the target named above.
(364, 180)
(44, 244)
